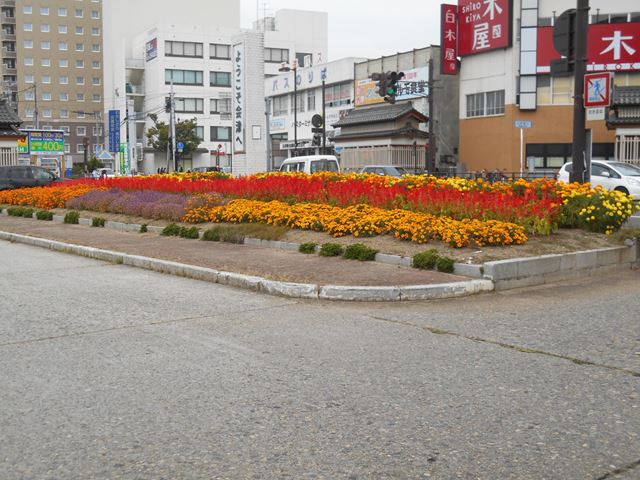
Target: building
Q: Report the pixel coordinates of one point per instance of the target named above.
(332, 81)
(506, 51)
(9, 134)
(52, 68)
(423, 85)
(201, 62)
(624, 118)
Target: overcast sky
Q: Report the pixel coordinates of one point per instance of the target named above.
(356, 26)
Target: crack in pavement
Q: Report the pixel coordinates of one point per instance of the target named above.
(142, 325)
(620, 471)
(508, 346)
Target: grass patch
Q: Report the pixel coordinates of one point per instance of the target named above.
(359, 251)
(20, 212)
(331, 250)
(445, 264)
(98, 222)
(308, 248)
(72, 217)
(238, 232)
(143, 228)
(171, 230)
(426, 260)
(44, 215)
(191, 233)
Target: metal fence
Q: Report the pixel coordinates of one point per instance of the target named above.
(409, 157)
(628, 149)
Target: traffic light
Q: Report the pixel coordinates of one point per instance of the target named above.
(167, 104)
(380, 79)
(391, 85)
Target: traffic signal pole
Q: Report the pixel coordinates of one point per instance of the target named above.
(579, 171)
(324, 120)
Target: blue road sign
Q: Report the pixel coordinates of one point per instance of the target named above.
(180, 147)
(524, 124)
(114, 130)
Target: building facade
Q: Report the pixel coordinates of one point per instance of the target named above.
(505, 76)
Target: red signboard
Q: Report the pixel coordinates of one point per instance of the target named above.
(484, 25)
(612, 47)
(449, 40)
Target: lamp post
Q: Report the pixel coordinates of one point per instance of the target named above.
(286, 68)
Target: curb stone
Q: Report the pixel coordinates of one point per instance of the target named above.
(259, 284)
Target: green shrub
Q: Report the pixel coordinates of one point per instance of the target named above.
(143, 228)
(192, 232)
(212, 235)
(72, 217)
(445, 264)
(330, 250)
(28, 213)
(359, 251)
(98, 222)
(426, 260)
(44, 215)
(171, 230)
(308, 248)
(15, 211)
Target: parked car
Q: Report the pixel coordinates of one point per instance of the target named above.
(384, 170)
(311, 164)
(19, 176)
(103, 172)
(623, 177)
(206, 169)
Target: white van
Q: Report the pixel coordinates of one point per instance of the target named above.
(311, 164)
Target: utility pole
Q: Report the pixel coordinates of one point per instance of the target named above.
(267, 107)
(35, 96)
(579, 171)
(131, 140)
(324, 121)
(431, 159)
(172, 120)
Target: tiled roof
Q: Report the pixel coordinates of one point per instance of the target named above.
(384, 113)
(7, 115)
(626, 96)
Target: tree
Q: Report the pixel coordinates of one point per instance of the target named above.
(158, 135)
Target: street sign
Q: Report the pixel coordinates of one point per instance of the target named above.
(597, 89)
(595, 114)
(524, 124)
(114, 131)
(180, 147)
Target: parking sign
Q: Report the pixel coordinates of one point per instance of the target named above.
(597, 89)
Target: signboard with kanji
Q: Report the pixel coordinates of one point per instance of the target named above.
(597, 90)
(50, 142)
(449, 40)
(484, 25)
(114, 130)
(414, 84)
(613, 47)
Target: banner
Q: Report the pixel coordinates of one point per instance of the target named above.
(46, 141)
(151, 49)
(484, 26)
(238, 98)
(449, 39)
(415, 84)
(114, 131)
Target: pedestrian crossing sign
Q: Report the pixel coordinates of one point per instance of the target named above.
(597, 90)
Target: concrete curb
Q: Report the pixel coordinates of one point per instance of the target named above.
(259, 284)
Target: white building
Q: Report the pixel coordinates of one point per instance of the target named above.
(284, 126)
(200, 60)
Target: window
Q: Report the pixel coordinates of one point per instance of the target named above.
(189, 105)
(280, 105)
(95, 14)
(79, 30)
(311, 100)
(63, 63)
(79, 63)
(28, 61)
(219, 79)
(276, 55)
(64, 80)
(562, 91)
(486, 103)
(65, 129)
(97, 97)
(44, 10)
(29, 112)
(80, 98)
(62, 12)
(28, 44)
(63, 46)
(27, 27)
(96, 81)
(79, 47)
(199, 131)
(45, 62)
(217, 50)
(183, 77)
(337, 95)
(64, 97)
(80, 148)
(64, 113)
(220, 134)
(45, 28)
(46, 79)
(29, 95)
(299, 102)
(79, 13)
(80, 115)
(46, 113)
(27, 9)
(220, 105)
(46, 96)
(45, 45)
(81, 131)
(79, 80)
(62, 29)
(95, 64)
(97, 130)
(95, 47)
(28, 79)
(182, 49)
(95, 31)
(300, 59)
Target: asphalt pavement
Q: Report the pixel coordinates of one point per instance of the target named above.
(113, 372)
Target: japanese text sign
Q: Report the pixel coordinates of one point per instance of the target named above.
(484, 25)
(449, 40)
(238, 97)
(114, 130)
(46, 141)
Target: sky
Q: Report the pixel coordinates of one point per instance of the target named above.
(359, 28)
